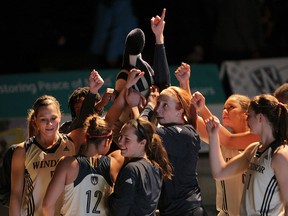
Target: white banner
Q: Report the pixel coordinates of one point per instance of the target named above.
(254, 77)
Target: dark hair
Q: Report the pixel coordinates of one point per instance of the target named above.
(281, 93)
(154, 148)
(74, 97)
(45, 100)
(96, 129)
(184, 102)
(275, 112)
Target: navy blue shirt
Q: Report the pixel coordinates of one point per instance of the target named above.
(182, 194)
(137, 189)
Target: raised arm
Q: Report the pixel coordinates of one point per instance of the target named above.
(88, 106)
(148, 112)
(157, 26)
(182, 74)
(232, 141)
(160, 63)
(120, 102)
(220, 169)
(109, 95)
(134, 99)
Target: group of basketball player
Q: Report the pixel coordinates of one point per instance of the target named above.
(157, 128)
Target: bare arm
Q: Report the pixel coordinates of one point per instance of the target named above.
(232, 141)
(78, 138)
(133, 99)
(120, 102)
(106, 98)
(238, 140)
(220, 169)
(62, 176)
(117, 161)
(17, 180)
(279, 164)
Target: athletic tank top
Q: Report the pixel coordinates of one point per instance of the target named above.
(229, 192)
(88, 194)
(40, 165)
(261, 194)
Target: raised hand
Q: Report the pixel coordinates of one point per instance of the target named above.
(133, 76)
(212, 125)
(132, 97)
(107, 97)
(198, 100)
(95, 81)
(153, 96)
(157, 26)
(183, 72)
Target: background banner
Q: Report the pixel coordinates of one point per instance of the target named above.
(254, 77)
(18, 93)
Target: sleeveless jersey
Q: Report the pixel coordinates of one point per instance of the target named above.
(40, 165)
(88, 194)
(261, 195)
(229, 191)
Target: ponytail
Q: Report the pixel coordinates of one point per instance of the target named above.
(157, 154)
(282, 123)
(154, 147)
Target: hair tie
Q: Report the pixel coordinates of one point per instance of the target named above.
(100, 136)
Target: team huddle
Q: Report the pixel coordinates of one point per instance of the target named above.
(139, 156)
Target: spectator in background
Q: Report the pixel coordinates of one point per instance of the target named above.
(113, 20)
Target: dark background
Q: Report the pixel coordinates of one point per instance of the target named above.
(50, 35)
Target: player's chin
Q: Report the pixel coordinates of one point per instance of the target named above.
(123, 152)
(161, 120)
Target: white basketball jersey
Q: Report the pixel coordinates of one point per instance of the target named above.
(261, 191)
(229, 192)
(40, 165)
(88, 194)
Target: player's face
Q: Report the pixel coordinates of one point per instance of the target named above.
(233, 114)
(166, 109)
(253, 123)
(78, 105)
(48, 120)
(128, 143)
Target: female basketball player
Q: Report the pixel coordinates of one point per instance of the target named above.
(265, 162)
